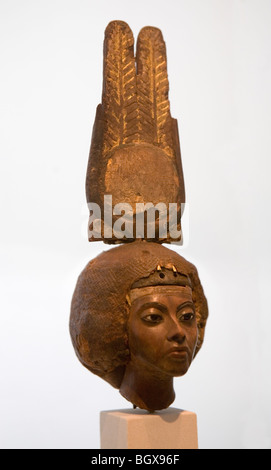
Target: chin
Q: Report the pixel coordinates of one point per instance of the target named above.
(180, 374)
(178, 371)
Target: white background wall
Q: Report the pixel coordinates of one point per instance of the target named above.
(51, 77)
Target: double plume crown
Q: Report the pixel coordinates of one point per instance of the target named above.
(135, 151)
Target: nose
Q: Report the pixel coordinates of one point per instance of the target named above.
(175, 331)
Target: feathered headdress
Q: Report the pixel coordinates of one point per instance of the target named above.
(135, 152)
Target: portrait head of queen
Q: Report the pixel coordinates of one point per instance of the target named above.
(137, 320)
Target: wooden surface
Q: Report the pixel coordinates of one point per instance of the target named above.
(135, 151)
(137, 429)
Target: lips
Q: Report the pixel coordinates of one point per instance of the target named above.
(178, 352)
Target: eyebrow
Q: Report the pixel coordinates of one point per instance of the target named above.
(186, 304)
(157, 305)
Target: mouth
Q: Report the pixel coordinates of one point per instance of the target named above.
(178, 352)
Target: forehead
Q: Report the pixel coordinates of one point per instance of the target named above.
(164, 295)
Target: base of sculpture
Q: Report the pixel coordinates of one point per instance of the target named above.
(171, 428)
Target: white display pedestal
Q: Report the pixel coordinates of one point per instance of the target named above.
(171, 428)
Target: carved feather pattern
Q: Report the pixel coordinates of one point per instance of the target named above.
(152, 89)
(119, 88)
(135, 110)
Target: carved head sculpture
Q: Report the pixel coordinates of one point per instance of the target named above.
(138, 311)
(137, 320)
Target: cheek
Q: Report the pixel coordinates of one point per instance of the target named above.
(144, 341)
(192, 338)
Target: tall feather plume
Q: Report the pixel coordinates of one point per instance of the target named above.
(155, 121)
(119, 87)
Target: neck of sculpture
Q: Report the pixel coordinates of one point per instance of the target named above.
(145, 388)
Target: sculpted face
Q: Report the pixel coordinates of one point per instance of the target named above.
(162, 329)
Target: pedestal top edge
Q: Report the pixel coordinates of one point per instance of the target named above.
(139, 413)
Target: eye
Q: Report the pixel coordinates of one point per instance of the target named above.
(153, 318)
(186, 316)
